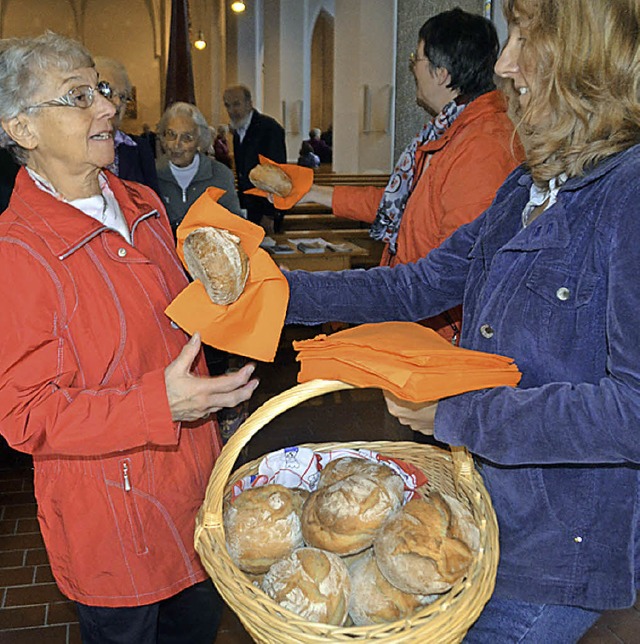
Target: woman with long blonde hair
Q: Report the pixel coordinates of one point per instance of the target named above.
(548, 275)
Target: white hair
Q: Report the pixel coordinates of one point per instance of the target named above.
(24, 62)
(187, 109)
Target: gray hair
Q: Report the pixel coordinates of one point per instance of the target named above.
(24, 62)
(116, 68)
(187, 109)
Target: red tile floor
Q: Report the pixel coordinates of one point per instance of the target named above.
(33, 610)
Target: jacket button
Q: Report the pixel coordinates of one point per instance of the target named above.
(487, 331)
(122, 252)
(577, 539)
(563, 293)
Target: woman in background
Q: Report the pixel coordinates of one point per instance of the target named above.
(186, 171)
(548, 275)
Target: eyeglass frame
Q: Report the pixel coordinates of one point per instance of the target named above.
(414, 59)
(179, 136)
(103, 88)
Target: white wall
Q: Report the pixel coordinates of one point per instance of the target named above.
(365, 56)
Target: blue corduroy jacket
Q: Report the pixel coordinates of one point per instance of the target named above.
(560, 454)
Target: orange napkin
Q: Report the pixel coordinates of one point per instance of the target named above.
(301, 178)
(250, 326)
(409, 360)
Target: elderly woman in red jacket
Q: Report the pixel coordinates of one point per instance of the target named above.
(449, 173)
(95, 381)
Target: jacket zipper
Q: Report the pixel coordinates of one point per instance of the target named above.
(184, 196)
(125, 476)
(133, 517)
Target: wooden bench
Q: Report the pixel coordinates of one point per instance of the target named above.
(358, 236)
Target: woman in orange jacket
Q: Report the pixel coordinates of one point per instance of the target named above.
(451, 170)
(95, 381)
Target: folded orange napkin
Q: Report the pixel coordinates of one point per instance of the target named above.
(301, 178)
(250, 326)
(409, 360)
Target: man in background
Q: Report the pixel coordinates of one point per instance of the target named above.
(135, 158)
(254, 134)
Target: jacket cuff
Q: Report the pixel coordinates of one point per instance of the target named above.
(451, 417)
(161, 429)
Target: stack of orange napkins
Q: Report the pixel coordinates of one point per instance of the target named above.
(301, 180)
(409, 360)
(250, 326)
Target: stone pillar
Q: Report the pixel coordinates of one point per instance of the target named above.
(412, 14)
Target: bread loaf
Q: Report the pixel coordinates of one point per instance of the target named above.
(311, 583)
(262, 525)
(271, 178)
(374, 600)
(416, 550)
(352, 502)
(217, 259)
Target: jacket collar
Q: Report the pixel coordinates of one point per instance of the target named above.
(204, 170)
(64, 228)
(479, 108)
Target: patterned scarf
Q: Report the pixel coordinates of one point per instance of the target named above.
(387, 222)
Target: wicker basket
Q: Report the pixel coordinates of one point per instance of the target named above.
(446, 620)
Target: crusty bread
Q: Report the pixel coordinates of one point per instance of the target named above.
(374, 600)
(262, 525)
(344, 515)
(313, 584)
(416, 550)
(271, 178)
(217, 259)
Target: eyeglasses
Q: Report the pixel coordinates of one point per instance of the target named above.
(81, 97)
(414, 59)
(185, 137)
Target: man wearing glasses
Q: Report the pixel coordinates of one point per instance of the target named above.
(134, 159)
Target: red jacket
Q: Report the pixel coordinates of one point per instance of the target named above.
(462, 172)
(117, 482)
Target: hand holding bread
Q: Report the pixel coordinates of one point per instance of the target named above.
(272, 179)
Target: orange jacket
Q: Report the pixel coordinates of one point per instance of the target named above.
(461, 174)
(117, 482)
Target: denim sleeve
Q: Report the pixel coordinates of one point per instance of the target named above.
(593, 419)
(407, 292)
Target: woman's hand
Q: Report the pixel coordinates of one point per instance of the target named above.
(419, 416)
(193, 397)
(318, 194)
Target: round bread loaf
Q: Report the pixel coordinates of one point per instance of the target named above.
(262, 525)
(344, 515)
(216, 258)
(374, 600)
(462, 525)
(311, 583)
(271, 178)
(416, 550)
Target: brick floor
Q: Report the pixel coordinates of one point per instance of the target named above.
(33, 610)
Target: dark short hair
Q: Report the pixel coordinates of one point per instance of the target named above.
(466, 45)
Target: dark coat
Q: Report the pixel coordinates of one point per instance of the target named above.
(138, 163)
(8, 170)
(264, 136)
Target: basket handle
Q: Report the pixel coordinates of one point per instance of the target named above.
(212, 517)
(249, 428)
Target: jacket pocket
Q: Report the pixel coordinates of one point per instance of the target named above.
(134, 522)
(562, 288)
